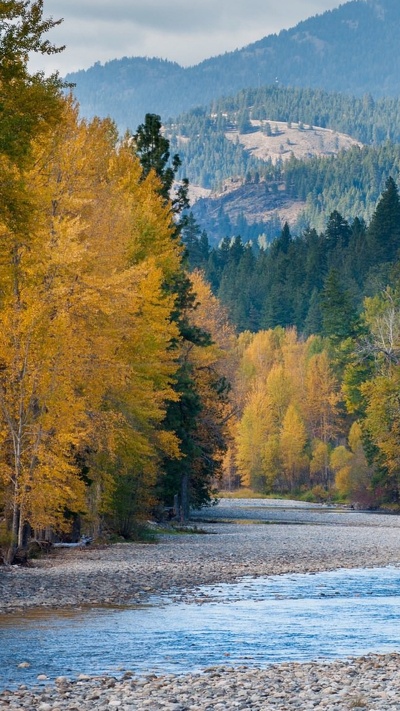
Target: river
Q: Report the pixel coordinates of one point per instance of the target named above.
(255, 622)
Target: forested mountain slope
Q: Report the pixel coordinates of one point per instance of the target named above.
(304, 193)
(352, 49)
(290, 282)
(274, 154)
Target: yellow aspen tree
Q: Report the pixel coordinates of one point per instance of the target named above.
(262, 353)
(272, 467)
(294, 361)
(252, 434)
(319, 464)
(340, 461)
(278, 388)
(85, 357)
(293, 439)
(213, 368)
(381, 390)
(322, 397)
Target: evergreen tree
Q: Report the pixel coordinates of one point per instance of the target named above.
(337, 233)
(339, 318)
(196, 243)
(153, 151)
(178, 477)
(313, 322)
(383, 235)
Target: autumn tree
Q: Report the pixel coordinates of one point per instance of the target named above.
(289, 411)
(293, 440)
(354, 476)
(381, 389)
(85, 347)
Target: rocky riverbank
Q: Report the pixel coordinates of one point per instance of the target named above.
(371, 683)
(247, 539)
(237, 540)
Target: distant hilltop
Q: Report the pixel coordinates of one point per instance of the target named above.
(352, 49)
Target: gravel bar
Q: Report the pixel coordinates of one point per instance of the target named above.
(371, 682)
(245, 538)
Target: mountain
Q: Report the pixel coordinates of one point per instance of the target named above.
(276, 154)
(353, 49)
(254, 200)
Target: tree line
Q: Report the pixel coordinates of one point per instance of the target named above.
(112, 392)
(315, 388)
(315, 281)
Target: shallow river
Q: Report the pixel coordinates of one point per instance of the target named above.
(257, 621)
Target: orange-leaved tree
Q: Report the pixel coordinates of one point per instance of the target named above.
(85, 358)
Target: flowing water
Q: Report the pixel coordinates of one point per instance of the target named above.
(254, 622)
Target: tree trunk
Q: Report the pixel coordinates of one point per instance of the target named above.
(14, 530)
(185, 497)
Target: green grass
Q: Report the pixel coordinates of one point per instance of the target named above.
(244, 493)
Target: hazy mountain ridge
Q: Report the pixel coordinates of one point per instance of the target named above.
(348, 49)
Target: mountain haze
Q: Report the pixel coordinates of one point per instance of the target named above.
(352, 49)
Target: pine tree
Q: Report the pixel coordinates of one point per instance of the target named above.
(339, 318)
(183, 412)
(383, 234)
(153, 151)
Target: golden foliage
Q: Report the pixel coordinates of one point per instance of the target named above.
(290, 400)
(85, 357)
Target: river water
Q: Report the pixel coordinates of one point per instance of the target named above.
(294, 617)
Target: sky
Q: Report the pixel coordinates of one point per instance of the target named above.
(184, 31)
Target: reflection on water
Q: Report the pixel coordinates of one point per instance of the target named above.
(257, 621)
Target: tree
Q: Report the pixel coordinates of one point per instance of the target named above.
(253, 435)
(196, 243)
(353, 474)
(85, 346)
(339, 318)
(383, 234)
(322, 397)
(30, 103)
(186, 414)
(381, 389)
(293, 438)
(154, 154)
(337, 233)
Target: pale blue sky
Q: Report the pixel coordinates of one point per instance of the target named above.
(185, 31)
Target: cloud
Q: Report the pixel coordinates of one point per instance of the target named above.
(186, 31)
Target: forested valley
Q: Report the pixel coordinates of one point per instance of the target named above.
(141, 369)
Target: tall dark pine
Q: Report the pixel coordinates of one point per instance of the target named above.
(196, 243)
(153, 151)
(383, 234)
(154, 154)
(338, 231)
(339, 317)
(178, 477)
